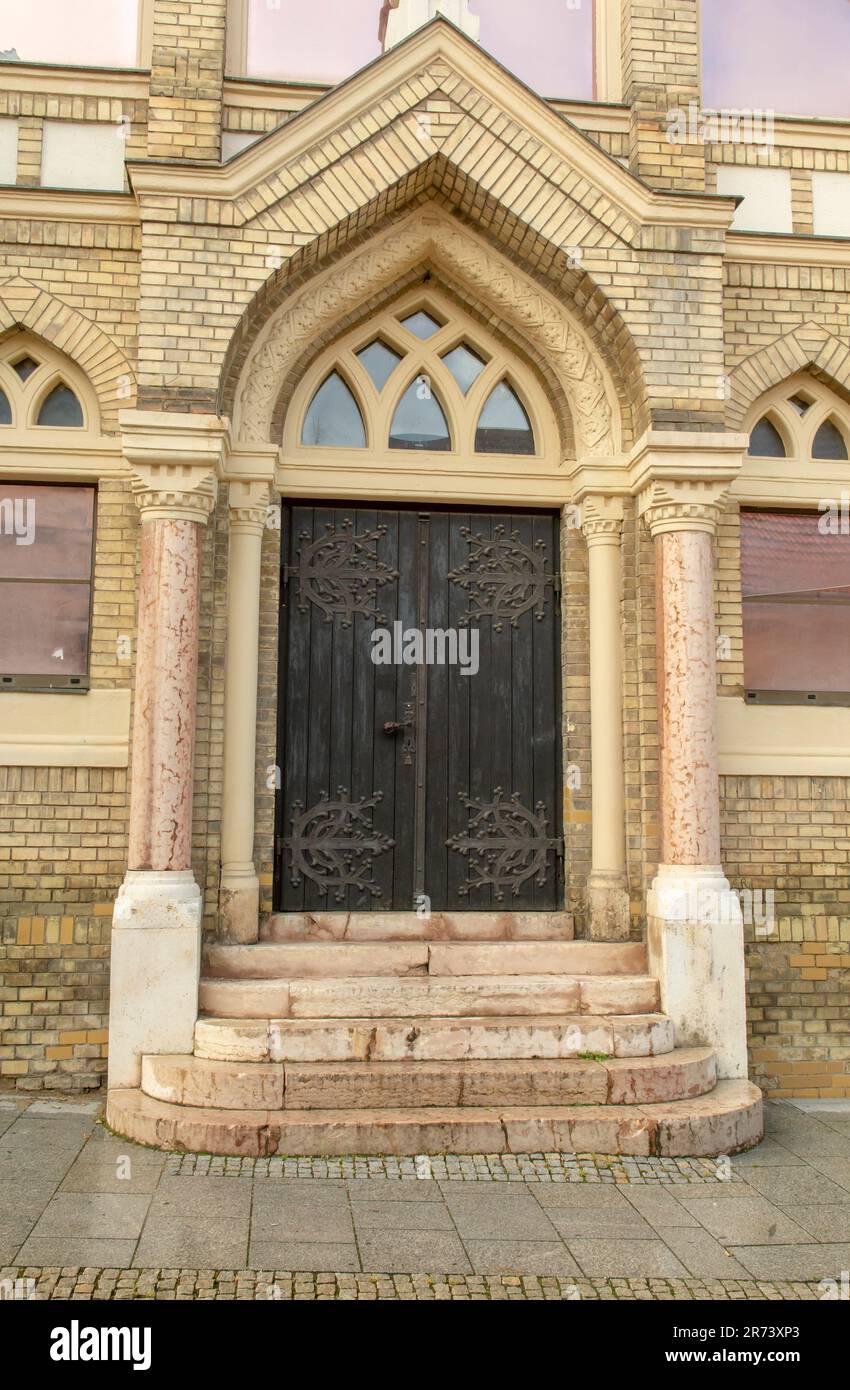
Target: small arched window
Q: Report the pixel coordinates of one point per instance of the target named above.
(419, 421)
(334, 418)
(766, 441)
(503, 426)
(61, 409)
(828, 442)
(5, 409)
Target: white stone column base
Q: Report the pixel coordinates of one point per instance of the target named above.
(696, 949)
(155, 970)
(608, 908)
(239, 903)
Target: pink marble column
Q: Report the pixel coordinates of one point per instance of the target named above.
(690, 796)
(165, 696)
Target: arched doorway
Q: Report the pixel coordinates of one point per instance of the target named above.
(419, 735)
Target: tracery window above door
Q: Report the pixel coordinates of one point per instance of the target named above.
(39, 390)
(423, 377)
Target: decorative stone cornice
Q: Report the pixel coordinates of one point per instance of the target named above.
(248, 507)
(682, 480)
(602, 519)
(174, 462)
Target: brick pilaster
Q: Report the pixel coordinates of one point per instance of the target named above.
(661, 74)
(187, 73)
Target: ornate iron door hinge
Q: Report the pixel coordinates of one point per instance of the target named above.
(505, 844)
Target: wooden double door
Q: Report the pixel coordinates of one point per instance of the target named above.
(419, 728)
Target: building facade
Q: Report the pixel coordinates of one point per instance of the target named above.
(295, 376)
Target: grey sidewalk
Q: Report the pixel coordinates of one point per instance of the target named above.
(92, 1215)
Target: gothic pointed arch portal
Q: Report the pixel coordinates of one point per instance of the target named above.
(432, 238)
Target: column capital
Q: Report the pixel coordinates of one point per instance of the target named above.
(682, 480)
(248, 507)
(602, 519)
(680, 506)
(175, 462)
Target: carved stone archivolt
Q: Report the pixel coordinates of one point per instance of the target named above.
(507, 291)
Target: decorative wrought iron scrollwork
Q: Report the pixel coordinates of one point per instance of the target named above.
(333, 844)
(505, 844)
(503, 578)
(341, 573)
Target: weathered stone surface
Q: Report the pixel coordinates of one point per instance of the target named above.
(431, 1039)
(459, 996)
(387, 1085)
(537, 958)
(727, 1120)
(244, 998)
(323, 959)
(676, 1076)
(217, 1085)
(615, 994)
(407, 926)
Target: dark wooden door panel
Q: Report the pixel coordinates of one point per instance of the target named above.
(406, 780)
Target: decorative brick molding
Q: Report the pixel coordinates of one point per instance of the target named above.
(26, 305)
(811, 346)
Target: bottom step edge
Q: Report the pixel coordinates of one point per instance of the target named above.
(726, 1121)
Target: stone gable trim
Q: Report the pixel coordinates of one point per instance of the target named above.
(810, 347)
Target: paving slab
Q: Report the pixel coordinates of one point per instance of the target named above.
(618, 1224)
(825, 1222)
(520, 1257)
(659, 1207)
(749, 1221)
(794, 1261)
(700, 1253)
(419, 1190)
(612, 1259)
(68, 1252)
(104, 1216)
(788, 1187)
(482, 1215)
(401, 1216)
(318, 1257)
(413, 1252)
(178, 1244)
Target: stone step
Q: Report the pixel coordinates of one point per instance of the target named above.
(455, 996)
(334, 959)
(724, 1122)
(196, 1081)
(431, 1039)
(408, 926)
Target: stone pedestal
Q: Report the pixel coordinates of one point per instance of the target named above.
(154, 971)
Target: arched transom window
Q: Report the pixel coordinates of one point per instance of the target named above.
(421, 378)
(801, 420)
(39, 390)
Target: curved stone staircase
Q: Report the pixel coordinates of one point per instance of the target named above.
(463, 1033)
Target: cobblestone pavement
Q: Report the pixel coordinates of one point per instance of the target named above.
(85, 1214)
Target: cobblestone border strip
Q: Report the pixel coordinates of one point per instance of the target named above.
(549, 1167)
(266, 1285)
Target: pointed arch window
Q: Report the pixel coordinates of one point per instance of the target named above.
(61, 409)
(465, 366)
(5, 409)
(766, 441)
(829, 442)
(380, 361)
(334, 419)
(419, 421)
(504, 426)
